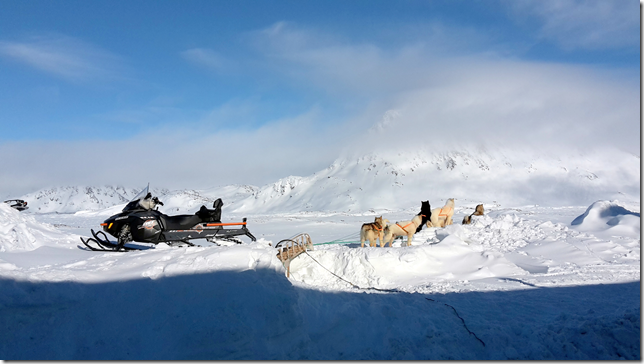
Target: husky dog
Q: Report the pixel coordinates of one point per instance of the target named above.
(442, 217)
(477, 212)
(425, 213)
(372, 232)
(402, 228)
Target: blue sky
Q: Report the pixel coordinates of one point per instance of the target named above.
(269, 80)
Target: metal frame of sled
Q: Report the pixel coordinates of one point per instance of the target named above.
(289, 249)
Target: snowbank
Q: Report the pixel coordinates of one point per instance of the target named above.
(20, 231)
(609, 217)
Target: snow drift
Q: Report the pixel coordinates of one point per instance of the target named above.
(609, 217)
(19, 231)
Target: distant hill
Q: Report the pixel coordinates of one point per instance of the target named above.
(390, 181)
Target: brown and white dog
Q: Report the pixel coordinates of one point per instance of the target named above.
(477, 212)
(373, 231)
(442, 217)
(402, 228)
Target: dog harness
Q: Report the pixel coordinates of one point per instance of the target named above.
(407, 225)
(376, 226)
(447, 211)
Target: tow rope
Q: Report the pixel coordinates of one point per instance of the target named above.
(343, 240)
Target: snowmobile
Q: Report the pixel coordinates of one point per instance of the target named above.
(19, 205)
(140, 221)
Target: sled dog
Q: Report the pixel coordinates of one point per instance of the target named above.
(402, 228)
(477, 212)
(426, 213)
(442, 217)
(373, 231)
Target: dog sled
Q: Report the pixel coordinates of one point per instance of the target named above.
(289, 249)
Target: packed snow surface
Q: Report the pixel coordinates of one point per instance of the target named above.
(527, 282)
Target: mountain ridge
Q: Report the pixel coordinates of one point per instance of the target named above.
(395, 180)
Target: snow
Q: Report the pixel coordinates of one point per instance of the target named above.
(550, 272)
(529, 282)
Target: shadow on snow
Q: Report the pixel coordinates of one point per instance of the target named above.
(259, 314)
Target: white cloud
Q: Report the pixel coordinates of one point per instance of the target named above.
(481, 98)
(175, 157)
(64, 57)
(585, 24)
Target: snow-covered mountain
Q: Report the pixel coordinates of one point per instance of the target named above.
(68, 199)
(185, 201)
(400, 180)
(391, 181)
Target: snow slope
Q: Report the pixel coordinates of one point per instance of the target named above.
(397, 180)
(526, 283)
(69, 199)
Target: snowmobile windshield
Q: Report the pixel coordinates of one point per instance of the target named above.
(141, 194)
(134, 202)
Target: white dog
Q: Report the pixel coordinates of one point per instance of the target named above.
(442, 217)
(401, 229)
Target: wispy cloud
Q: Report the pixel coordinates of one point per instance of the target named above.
(206, 58)
(337, 65)
(64, 57)
(584, 24)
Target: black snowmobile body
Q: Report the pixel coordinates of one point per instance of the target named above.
(19, 205)
(141, 222)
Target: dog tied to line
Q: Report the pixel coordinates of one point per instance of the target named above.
(442, 217)
(403, 228)
(426, 213)
(477, 212)
(373, 231)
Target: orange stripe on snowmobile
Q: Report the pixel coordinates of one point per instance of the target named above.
(227, 224)
(104, 224)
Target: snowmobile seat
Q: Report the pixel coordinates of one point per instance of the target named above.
(214, 215)
(181, 222)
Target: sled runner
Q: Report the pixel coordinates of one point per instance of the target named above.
(140, 221)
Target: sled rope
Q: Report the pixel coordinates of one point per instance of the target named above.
(339, 242)
(395, 291)
(459, 316)
(342, 240)
(352, 284)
